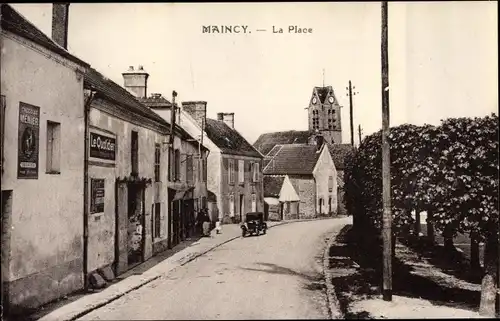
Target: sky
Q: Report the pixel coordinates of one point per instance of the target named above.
(442, 57)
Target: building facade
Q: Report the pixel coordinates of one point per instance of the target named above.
(187, 193)
(127, 178)
(42, 170)
(234, 170)
(309, 185)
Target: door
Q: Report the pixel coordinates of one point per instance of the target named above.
(6, 224)
(242, 207)
(171, 195)
(175, 223)
(254, 203)
(121, 228)
(135, 224)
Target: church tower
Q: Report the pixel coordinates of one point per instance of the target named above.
(324, 115)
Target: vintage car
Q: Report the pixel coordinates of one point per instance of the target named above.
(254, 224)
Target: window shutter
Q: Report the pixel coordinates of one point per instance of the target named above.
(241, 171)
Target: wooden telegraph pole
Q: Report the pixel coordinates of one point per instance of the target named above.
(359, 133)
(386, 163)
(350, 94)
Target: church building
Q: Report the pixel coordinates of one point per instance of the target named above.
(324, 128)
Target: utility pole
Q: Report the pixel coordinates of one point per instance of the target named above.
(386, 163)
(350, 94)
(359, 133)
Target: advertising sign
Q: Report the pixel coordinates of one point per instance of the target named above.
(29, 137)
(102, 147)
(97, 195)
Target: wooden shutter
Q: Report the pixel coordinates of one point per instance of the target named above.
(241, 171)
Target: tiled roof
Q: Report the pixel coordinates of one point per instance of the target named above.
(293, 159)
(272, 185)
(228, 139)
(111, 90)
(339, 153)
(267, 141)
(155, 102)
(14, 22)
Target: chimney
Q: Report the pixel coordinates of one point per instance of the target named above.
(228, 118)
(136, 81)
(197, 110)
(60, 13)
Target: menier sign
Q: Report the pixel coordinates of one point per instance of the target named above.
(97, 195)
(103, 147)
(28, 141)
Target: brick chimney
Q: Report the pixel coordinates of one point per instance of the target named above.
(136, 81)
(228, 118)
(60, 15)
(197, 110)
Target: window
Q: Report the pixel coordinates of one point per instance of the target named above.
(53, 147)
(156, 220)
(135, 153)
(189, 169)
(231, 205)
(255, 174)
(231, 171)
(204, 170)
(241, 171)
(203, 202)
(177, 164)
(329, 205)
(157, 162)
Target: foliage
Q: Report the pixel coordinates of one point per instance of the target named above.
(450, 170)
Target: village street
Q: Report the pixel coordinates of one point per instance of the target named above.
(272, 276)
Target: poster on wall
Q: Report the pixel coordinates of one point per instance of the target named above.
(29, 137)
(97, 195)
(102, 147)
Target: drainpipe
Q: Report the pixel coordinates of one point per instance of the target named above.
(85, 187)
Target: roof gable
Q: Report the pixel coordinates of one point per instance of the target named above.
(267, 141)
(288, 193)
(228, 140)
(325, 153)
(14, 22)
(294, 159)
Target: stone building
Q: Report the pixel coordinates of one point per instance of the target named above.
(324, 121)
(186, 181)
(42, 163)
(309, 185)
(234, 170)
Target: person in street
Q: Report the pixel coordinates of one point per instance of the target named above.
(205, 223)
(218, 227)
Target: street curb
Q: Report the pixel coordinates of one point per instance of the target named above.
(150, 279)
(333, 302)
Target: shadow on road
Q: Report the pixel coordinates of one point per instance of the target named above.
(316, 281)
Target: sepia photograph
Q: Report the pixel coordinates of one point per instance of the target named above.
(249, 160)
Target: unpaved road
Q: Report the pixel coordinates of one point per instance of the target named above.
(272, 276)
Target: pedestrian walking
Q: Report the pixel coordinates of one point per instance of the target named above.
(218, 227)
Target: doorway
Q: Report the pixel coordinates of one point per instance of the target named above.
(136, 223)
(6, 224)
